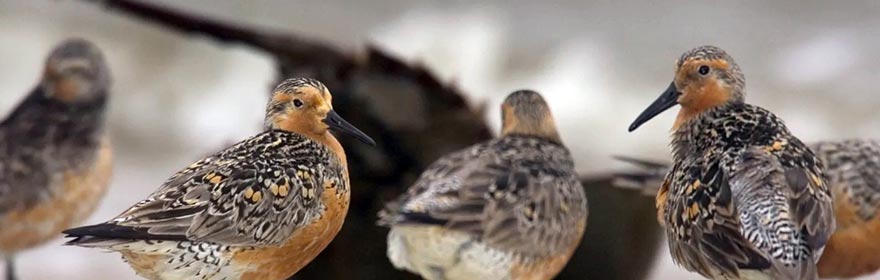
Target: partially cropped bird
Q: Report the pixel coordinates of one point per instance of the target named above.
(854, 171)
(55, 157)
(853, 168)
(260, 209)
(508, 208)
(745, 199)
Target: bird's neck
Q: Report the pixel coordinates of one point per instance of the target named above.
(546, 128)
(333, 144)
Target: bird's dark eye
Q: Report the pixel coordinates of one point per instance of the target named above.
(703, 70)
(298, 103)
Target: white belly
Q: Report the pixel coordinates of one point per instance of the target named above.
(435, 253)
(171, 260)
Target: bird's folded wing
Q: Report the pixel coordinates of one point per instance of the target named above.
(229, 201)
(513, 206)
(785, 207)
(711, 220)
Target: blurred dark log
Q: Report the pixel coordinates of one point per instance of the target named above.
(622, 234)
(415, 119)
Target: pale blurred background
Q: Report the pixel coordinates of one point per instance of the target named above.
(176, 98)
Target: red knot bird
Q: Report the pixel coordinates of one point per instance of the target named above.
(260, 209)
(853, 168)
(55, 156)
(745, 199)
(508, 208)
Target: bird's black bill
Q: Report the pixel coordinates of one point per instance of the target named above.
(666, 100)
(339, 124)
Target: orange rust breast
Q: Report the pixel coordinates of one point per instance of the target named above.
(144, 265)
(280, 262)
(72, 202)
(853, 248)
(546, 268)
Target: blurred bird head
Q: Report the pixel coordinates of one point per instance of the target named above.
(525, 112)
(705, 77)
(304, 106)
(75, 72)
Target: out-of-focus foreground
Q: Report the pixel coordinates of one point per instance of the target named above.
(179, 97)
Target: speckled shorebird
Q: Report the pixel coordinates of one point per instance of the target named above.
(853, 168)
(260, 209)
(55, 158)
(508, 208)
(745, 199)
(854, 173)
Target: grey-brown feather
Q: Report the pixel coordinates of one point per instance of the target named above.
(853, 166)
(192, 205)
(43, 137)
(518, 194)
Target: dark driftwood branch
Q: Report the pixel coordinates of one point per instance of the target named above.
(415, 118)
(191, 23)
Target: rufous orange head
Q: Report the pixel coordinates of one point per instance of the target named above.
(706, 77)
(304, 105)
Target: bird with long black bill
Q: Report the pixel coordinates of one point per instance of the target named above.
(260, 209)
(745, 199)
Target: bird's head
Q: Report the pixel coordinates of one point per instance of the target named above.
(304, 105)
(705, 77)
(525, 112)
(75, 72)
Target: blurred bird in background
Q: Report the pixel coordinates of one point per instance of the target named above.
(55, 156)
(508, 208)
(853, 169)
(745, 199)
(260, 209)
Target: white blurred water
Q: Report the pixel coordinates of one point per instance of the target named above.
(598, 64)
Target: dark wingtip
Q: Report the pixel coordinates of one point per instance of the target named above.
(114, 231)
(640, 162)
(80, 231)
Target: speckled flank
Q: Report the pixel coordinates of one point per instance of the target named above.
(853, 168)
(743, 193)
(260, 209)
(753, 184)
(55, 157)
(509, 208)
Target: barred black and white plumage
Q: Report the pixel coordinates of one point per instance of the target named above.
(853, 170)
(508, 208)
(744, 199)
